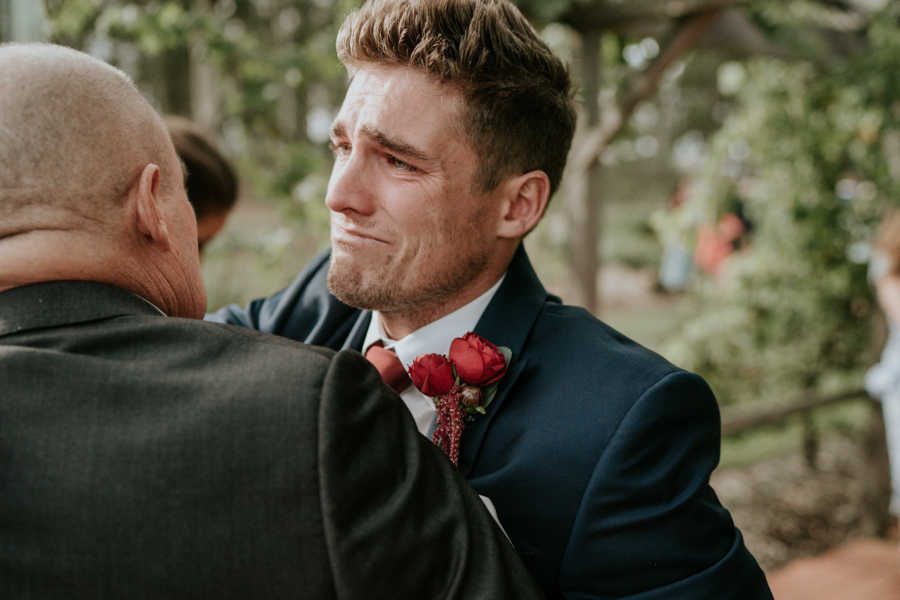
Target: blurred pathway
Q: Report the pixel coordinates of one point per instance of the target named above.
(859, 570)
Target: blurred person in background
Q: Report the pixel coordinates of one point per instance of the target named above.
(883, 380)
(211, 182)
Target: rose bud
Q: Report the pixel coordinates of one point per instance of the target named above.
(432, 374)
(478, 362)
(470, 396)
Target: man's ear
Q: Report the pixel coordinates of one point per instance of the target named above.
(149, 216)
(524, 200)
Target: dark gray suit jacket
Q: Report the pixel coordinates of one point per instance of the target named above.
(150, 457)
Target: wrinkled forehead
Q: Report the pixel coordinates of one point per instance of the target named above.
(404, 102)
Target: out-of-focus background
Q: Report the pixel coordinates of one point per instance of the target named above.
(732, 162)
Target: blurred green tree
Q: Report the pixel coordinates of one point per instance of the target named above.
(812, 152)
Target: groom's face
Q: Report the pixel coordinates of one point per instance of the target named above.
(409, 226)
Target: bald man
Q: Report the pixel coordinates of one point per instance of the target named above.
(145, 454)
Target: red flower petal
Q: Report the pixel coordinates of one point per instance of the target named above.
(432, 374)
(478, 362)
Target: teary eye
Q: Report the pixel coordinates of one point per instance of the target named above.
(399, 164)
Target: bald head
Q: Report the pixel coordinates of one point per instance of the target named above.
(74, 133)
(76, 137)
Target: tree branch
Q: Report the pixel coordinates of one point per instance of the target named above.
(686, 38)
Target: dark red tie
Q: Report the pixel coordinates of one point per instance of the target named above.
(388, 364)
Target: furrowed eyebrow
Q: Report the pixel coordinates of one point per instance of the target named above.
(396, 145)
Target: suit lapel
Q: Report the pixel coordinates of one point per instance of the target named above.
(507, 321)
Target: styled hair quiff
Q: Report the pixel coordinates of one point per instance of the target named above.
(519, 114)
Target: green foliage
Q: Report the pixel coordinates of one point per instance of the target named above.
(810, 158)
(71, 20)
(544, 10)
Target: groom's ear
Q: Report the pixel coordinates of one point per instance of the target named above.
(524, 200)
(149, 218)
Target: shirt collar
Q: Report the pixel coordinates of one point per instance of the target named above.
(435, 337)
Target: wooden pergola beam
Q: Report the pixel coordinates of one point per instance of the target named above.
(685, 39)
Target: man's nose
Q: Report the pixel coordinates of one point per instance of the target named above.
(351, 187)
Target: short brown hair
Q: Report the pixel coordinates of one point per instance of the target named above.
(211, 183)
(519, 113)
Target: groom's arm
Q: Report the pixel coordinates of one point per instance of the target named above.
(304, 311)
(649, 525)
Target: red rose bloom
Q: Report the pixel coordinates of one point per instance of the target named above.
(432, 374)
(478, 362)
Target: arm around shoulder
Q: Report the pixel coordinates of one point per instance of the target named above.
(649, 525)
(399, 520)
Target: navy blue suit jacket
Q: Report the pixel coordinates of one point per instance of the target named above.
(596, 451)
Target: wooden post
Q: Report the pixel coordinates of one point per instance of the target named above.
(204, 100)
(585, 206)
(174, 66)
(585, 158)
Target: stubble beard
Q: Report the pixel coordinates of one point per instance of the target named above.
(416, 296)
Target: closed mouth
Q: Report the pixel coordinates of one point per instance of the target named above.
(340, 231)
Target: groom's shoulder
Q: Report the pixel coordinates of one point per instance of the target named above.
(588, 377)
(590, 368)
(590, 346)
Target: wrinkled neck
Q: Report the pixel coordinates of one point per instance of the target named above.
(58, 255)
(46, 255)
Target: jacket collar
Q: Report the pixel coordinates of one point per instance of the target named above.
(56, 303)
(507, 321)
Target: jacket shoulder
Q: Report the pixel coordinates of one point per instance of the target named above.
(586, 348)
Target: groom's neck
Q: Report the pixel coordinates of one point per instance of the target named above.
(399, 324)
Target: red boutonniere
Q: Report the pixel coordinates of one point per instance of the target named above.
(461, 384)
